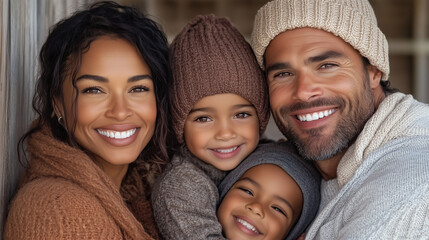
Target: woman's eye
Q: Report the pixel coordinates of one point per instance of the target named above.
(92, 90)
(203, 119)
(242, 115)
(279, 210)
(246, 191)
(139, 89)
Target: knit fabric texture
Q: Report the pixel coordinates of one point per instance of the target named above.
(185, 197)
(66, 195)
(305, 175)
(208, 57)
(353, 20)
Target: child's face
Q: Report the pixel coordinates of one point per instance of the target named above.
(222, 130)
(263, 204)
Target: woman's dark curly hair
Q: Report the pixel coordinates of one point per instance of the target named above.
(60, 56)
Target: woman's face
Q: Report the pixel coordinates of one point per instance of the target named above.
(116, 106)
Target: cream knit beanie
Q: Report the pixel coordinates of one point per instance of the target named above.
(352, 20)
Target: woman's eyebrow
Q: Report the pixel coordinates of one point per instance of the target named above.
(103, 79)
(92, 77)
(139, 77)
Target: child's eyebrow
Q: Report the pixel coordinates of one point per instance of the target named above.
(208, 109)
(256, 184)
(242, 106)
(205, 109)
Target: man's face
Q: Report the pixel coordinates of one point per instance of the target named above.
(320, 91)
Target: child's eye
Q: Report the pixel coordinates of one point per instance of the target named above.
(246, 191)
(279, 210)
(242, 115)
(139, 89)
(92, 90)
(203, 119)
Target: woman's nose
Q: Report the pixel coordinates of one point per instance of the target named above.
(118, 108)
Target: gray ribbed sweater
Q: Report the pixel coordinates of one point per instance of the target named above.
(185, 197)
(382, 188)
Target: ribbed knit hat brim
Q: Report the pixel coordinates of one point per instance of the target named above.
(209, 56)
(285, 156)
(352, 20)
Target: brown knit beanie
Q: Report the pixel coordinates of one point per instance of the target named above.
(352, 20)
(210, 56)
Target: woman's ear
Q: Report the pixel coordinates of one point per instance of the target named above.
(374, 76)
(58, 108)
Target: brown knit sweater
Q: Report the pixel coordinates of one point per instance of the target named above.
(65, 195)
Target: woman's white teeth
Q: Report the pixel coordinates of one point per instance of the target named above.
(226, 150)
(315, 116)
(117, 134)
(247, 225)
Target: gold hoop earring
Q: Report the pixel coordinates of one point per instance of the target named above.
(60, 120)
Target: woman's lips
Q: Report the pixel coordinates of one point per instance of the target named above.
(118, 138)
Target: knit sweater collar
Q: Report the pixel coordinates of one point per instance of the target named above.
(396, 117)
(52, 158)
(212, 172)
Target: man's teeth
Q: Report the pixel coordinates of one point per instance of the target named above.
(226, 150)
(247, 225)
(116, 134)
(315, 116)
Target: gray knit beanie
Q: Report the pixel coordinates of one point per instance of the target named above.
(352, 20)
(210, 56)
(305, 175)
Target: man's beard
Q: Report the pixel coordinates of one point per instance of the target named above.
(319, 147)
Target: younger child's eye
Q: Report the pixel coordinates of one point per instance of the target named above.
(203, 119)
(139, 89)
(242, 115)
(246, 190)
(279, 210)
(92, 90)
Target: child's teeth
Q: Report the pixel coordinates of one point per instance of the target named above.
(226, 150)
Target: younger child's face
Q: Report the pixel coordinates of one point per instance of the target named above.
(222, 130)
(263, 204)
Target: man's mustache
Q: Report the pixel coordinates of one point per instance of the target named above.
(337, 101)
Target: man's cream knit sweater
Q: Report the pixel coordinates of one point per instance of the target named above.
(382, 188)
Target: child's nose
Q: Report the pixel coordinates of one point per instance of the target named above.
(225, 131)
(256, 208)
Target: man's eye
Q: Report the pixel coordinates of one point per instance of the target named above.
(328, 65)
(91, 90)
(203, 119)
(282, 74)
